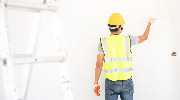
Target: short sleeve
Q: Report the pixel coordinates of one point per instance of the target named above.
(100, 50)
(134, 40)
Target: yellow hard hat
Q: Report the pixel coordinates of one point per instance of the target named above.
(116, 19)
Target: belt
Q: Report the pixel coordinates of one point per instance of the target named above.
(122, 80)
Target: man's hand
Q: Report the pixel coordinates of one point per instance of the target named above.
(97, 89)
(151, 20)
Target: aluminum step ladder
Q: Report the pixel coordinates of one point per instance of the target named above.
(8, 59)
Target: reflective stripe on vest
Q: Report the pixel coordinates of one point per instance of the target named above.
(109, 60)
(118, 70)
(117, 59)
(127, 47)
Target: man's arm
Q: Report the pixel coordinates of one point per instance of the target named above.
(98, 68)
(144, 37)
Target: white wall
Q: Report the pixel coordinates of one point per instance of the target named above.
(84, 22)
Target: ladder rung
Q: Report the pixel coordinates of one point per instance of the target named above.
(31, 60)
(23, 6)
(21, 55)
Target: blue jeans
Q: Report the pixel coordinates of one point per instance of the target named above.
(124, 88)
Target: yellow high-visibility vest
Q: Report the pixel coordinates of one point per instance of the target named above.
(118, 57)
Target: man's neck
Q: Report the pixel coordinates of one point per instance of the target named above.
(115, 33)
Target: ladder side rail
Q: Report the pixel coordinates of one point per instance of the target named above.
(67, 87)
(6, 56)
(31, 49)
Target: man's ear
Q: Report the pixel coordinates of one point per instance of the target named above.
(119, 28)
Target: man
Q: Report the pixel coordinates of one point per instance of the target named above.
(115, 51)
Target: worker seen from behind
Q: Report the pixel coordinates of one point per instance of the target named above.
(115, 51)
